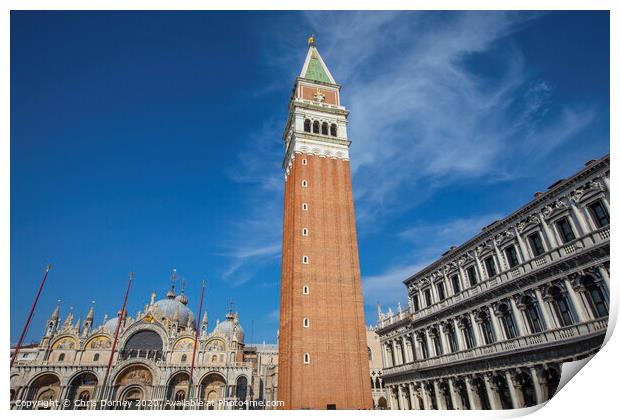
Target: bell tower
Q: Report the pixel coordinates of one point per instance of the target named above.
(323, 355)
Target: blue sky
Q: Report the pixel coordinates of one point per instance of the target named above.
(142, 141)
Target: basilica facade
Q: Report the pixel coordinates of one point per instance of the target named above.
(150, 366)
(490, 323)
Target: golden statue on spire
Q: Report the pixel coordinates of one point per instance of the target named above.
(311, 40)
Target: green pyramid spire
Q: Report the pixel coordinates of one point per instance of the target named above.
(315, 68)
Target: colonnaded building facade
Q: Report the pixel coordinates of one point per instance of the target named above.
(151, 362)
(490, 323)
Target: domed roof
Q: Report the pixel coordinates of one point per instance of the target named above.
(227, 327)
(111, 324)
(168, 308)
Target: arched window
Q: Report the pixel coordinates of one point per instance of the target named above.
(487, 328)
(468, 333)
(306, 358)
(333, 130)
(437, 342)
(179, 395)
(83, 398)
(532, 315)
(184, 358)
(145, 343)
(507, 320)
(315, 127)
(423, 345)
(596, 297)
(454, 347)
(61, 357)
(561, 307)
(324, 129)
(96, 357)
(307, 124)
(306, 290)
(306, 322)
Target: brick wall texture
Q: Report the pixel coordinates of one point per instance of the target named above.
(335, 340)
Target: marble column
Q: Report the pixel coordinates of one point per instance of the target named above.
(578, 220)
(412, 397)
(472, 394)
(518, 317)
(544, 309)
(401, 398)
(582, 312)
(492, 393)
(497, 326)
(534, 372)
(548, 235)
(456, 398)
(516, 393)
(476, 327)
(441, 404)
(522, 248)
(459, 336)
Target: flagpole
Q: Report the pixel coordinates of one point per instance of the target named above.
(34, 304)
(191, 371)
(118, 327)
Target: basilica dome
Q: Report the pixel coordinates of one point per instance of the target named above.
(228, 326)
(171, 307)
(111, 324)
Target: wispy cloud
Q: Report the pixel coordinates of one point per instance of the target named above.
(424, 242)
(425, 115)
(428, 117)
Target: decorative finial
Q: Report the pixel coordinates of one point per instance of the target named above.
(311, 40)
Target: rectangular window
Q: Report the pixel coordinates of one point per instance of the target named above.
(471, 276)
(536, 244)
(489, 264)
(565, 229)
(441, 290)
(416, 303)
(428, 297)
(511, 256)
(456, 284)
(599, 214)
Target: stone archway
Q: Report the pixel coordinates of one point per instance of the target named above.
(382, 404)
(132, 397)
(82, 389)
(45, 390)
(213, 390)
(241, 388)
(133, 385)
(177, 390)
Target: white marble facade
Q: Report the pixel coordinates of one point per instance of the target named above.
(489, 324)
